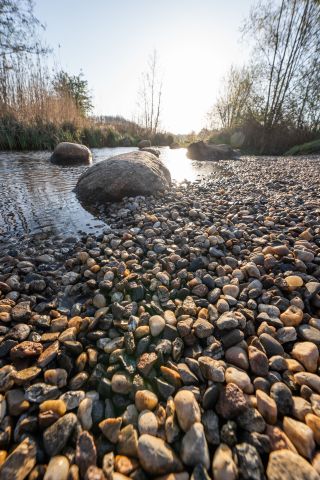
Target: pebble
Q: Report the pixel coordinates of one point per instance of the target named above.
(156, 324)
(231, 401)
(72, 399)
(212, 369)
(251, 420)
(187, 409)
(300, 435)
(278, 439)
(39, 392)
(312, 380)
(249, 461)
(308, 354)
(230, 320)
(300, 408)
(123, 464)
(258, 361)
(21, 311)
(58, 468)
(287, 465)
(194, 447)
(267, 407)
(282, 396)
(84, 413)
(57, 376)
(313, 422)
(110, 428)
(191, 321)
(238, 357)
(145, 400)
(56, 406)
(309, 333)
(240, 378)
(121, 383)
(147, 423)
(57, 435)
(292, 317)
(20, 462)
(294, 282)
(157, 457)
(223, 465)
(271, 345)
(128, 441)
(26, 350)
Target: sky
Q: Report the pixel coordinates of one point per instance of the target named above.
(110, 41)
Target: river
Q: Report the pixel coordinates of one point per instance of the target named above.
(37, 196)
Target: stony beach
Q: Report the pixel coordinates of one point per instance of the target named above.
(182, 343)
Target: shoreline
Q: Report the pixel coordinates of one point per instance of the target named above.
(188, 304)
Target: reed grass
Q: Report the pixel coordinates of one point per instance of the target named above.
(35, 116)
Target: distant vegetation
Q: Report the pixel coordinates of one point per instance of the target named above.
(40, 108)
(305, 149)
(273, 103)
(265, 107)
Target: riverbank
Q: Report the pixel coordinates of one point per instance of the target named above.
(20, 136)
(185, 338)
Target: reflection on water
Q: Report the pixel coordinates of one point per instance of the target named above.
(37, 195)
(182, 168)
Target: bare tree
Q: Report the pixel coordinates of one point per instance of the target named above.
(19, 41)
(19, 28)
(287, 46)
(150, 95)
(237, 99)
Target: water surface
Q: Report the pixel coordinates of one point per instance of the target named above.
(37, 196)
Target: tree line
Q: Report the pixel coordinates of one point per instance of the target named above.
(264, 106)
(40, 106)
(275, 99)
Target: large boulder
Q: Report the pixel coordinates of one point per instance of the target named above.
(204, 151)
(67, 153)
(155, 151)
(125, 175)
(144, 143)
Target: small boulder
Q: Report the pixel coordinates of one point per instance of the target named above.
(67, 153)
(204, 151)
(144, 144)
